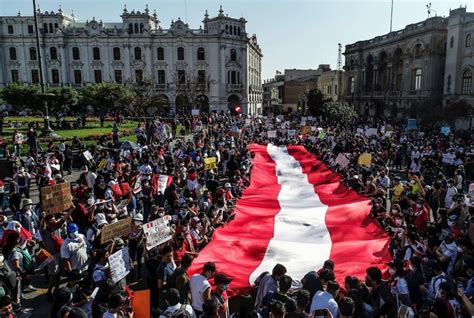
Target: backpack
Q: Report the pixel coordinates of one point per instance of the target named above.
(180, 313)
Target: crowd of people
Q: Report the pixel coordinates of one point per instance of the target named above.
(418, 182)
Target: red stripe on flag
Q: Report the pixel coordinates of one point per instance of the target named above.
(358, 242)
(239, 247)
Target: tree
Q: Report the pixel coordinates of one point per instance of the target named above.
(338, 111)
(457, 110)
(22, 96)
(106, 97)
(66, 98)
(144, 101)
(315, 102)
(191, 91)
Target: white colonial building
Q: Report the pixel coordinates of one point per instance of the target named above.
(219, 62)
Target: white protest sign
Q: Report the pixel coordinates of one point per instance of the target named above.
(371, 132)
(280, 117)
(310, 118)
(157, 232)
(87, 155)
(360, 131)
(248, 121)
(271, 134)
(291, 132)
(195, 112)
(119, 263)
(342, 160)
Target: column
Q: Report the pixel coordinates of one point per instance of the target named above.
(127, 77)
(64, 65)
(149, 74)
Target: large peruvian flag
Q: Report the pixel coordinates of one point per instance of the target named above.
(296, 212)
(159, 183)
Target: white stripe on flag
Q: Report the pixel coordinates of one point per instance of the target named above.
(162, 183)
(301, 240)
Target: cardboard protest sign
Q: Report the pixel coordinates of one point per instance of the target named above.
(306, 130)
(119, 263)
(56, 198)
(365, 159)
(342, 160)
(117, 229)
(271, 134)
(210, 163)
(157, 232)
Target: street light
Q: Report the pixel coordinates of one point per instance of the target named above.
(47, 131)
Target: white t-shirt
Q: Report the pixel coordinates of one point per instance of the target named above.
(107, 314)
(399, 286)
(76, 251)
(198, 285)
(451, 251)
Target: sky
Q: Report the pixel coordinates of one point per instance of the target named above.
(291, 33)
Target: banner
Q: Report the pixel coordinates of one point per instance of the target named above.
(56, 198)
(117, 229)
(271, 134)
(157, 232)
(342, 160)
(119, 263)
(210, 163)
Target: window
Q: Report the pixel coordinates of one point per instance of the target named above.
(77, 76)
(53, 53)
(451, 42)
(201, 77)
(238, 31)
(51, 30)
(417, 79)
(160, 54)
(138, 53)
(15, 76)
(96, 53)
(33, 55)
(466, 82)
(56, 27)
(233, 77)
(45, 27)
(448, 89)
(35, 77)
(233, 55)
(12, 53)
(76, 55)
(227, 28)
(161, 77)
(417, 52)
(135, 28)
(30, 29)
(235, 30)
(468, 40)
(180, 53)
(142, 28)
(200, 54)
(98, 76)
(10, 29)
(181, 77)
(116, 53)
(118, 76)
(130, 28)
(139, 76)
(55, 76)
(352, 84)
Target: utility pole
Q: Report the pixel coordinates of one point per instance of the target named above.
(339, 56)
(391, 16)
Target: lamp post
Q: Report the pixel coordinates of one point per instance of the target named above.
(47, 131)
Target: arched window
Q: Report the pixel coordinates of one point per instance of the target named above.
(51, 30)
(96, 53)
(235, 30)
(160, 54)
(76, 53)
(12, 53)
(200, 54)
(116, 53)
(451, 42)
(142, 27)
(180, 53)
(33, 55)
(136, 28)
(45, 27)
(238, 31)
(466, 82)
(233, 55)
(53, 53)
(130, 28)
(468, 40)
(56, 27)
(138, 53)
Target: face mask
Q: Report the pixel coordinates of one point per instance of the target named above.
(161, 214)
(90, 201)
(419, 206)
(398, 222)
(450, 223)
(368, 182)
(394, 211)
(392, 271)
(73, 235)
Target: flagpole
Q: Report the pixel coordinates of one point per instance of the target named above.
(391, 16)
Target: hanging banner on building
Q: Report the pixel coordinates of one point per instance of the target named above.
(157, 232)
(56, 198)
(210, 163)
(117, 229)
(119, 263)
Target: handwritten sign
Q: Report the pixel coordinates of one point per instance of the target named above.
(157, 232)
(56, 198)
(119, 263)
(210, 163)
(342, 160)
(271, 134)
(117, 229)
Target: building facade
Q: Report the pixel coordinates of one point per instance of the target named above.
(331, 84)
(216, 67)
(273, 90)
(389, 74)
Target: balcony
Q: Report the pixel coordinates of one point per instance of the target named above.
(234, 88)
(160, 87)
(181, 87)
